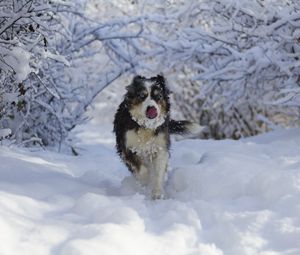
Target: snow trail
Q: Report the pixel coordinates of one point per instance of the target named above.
(223, 197)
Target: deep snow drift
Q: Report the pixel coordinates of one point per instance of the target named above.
(223, 197)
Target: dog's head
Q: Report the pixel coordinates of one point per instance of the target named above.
(148, 101)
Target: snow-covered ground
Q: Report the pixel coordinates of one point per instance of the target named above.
(223, 197)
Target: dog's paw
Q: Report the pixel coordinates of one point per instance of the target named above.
(157, 194)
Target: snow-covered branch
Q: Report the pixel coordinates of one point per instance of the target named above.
(231, 61)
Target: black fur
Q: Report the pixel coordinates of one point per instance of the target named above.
(122, 123)
(178, 127)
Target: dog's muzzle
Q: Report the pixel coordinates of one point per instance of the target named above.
(151, 112)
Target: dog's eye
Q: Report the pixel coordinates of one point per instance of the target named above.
(142, 95)
(157, 94)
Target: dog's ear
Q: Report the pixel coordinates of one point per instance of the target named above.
(133, 87)
(135, 81)
(162, 81)
(138, 78)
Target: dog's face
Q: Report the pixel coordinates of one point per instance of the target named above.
(148, 101)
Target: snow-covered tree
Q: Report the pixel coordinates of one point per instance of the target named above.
(54, 60)
(28, 63)
(234, 63)
(243, 64)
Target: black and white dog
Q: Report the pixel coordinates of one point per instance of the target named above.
(143, 126)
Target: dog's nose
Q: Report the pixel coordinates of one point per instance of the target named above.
(151, 112)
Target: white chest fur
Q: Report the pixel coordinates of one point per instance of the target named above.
(145, 143)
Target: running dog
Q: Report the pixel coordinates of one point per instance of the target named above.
(142, 126)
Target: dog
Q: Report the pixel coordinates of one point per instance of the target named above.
(143, 126)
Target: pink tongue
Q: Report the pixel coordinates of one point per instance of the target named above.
(151, 112)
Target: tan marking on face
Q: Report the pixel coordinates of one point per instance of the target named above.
(137, 111)
(163, 106)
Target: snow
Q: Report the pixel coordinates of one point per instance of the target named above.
(56, 57)
(18, 59)
(4, 132)
(223, 197)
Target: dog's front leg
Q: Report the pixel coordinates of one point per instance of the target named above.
(143, 175)
(159, 168)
